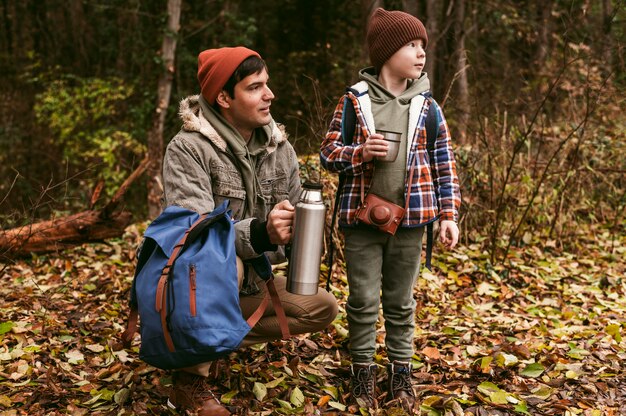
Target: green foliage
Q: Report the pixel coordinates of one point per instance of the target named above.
(88, 118)
(239, 30)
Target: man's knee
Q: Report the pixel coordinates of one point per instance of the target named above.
(326, 310)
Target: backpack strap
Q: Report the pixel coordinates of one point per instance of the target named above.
(263, 269)
(131, 325)
(331, 248)
(432, 125)
(348, 116)
(272, 294)
(348, 121)
(432, 129)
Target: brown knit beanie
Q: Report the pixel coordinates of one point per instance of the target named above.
(388, 31)
(215, 66)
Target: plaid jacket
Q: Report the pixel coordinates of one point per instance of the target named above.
(435, 190)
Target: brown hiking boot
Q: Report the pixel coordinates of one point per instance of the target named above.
(193, 392)
(363, 385)
(400, 389)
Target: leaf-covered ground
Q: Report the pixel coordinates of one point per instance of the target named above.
(541, 336)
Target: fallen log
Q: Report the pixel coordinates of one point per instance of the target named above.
(61, 233)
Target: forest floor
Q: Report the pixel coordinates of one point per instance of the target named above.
(541, 335)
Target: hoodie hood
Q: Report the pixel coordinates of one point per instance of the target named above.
(379, 94)
(193, 119)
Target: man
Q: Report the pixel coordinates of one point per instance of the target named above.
(229, 147)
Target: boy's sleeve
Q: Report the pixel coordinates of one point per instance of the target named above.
(337, 157)
(445, 177)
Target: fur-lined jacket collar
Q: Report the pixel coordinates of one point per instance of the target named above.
(194, 121)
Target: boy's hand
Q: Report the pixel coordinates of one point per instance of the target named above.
(449, 233)
(280, 222)
(374, 146)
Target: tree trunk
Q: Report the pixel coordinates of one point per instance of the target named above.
(155, 136)
(607, 38)
(543, 40)
(411, 7)
(432, 29)
(7, 28)
(461, 73)
(367, 7)
(38, 17)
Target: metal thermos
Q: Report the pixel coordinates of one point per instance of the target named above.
(307, 241)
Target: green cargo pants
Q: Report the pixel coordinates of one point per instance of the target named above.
(378, 261)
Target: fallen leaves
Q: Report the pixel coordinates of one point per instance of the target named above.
(542, 335)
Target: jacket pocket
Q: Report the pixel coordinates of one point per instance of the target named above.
(226, 180)
(274, 189)
(192, 289)
(227, 184)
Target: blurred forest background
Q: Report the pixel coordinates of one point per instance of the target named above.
(524, 317)
(533, 91)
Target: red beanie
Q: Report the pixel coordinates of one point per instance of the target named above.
(389, 31)
(215, 66)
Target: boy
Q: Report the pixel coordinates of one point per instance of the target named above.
(392, 95)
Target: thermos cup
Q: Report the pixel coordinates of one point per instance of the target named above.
(307, 241)
(393, 145)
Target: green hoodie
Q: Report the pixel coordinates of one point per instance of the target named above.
(392, 113)
(246, 154)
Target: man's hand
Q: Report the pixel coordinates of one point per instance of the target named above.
(280, 222)
(374, 146)
(449, 233)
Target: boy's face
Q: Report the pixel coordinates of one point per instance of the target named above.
(251, 106)
(408, 61)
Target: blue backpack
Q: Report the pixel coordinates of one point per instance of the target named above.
(186, 292)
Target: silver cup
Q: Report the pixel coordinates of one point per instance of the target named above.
(393, 145)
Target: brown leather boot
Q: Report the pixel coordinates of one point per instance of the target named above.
(193, 392)
(363, 385)
(400, 389)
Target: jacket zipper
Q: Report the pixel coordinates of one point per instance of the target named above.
(192, 289)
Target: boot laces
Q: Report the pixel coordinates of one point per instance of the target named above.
(401, 381)
(363, 383)
(201, 390)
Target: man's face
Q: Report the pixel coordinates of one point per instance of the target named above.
(251, 106)
(408, 61)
